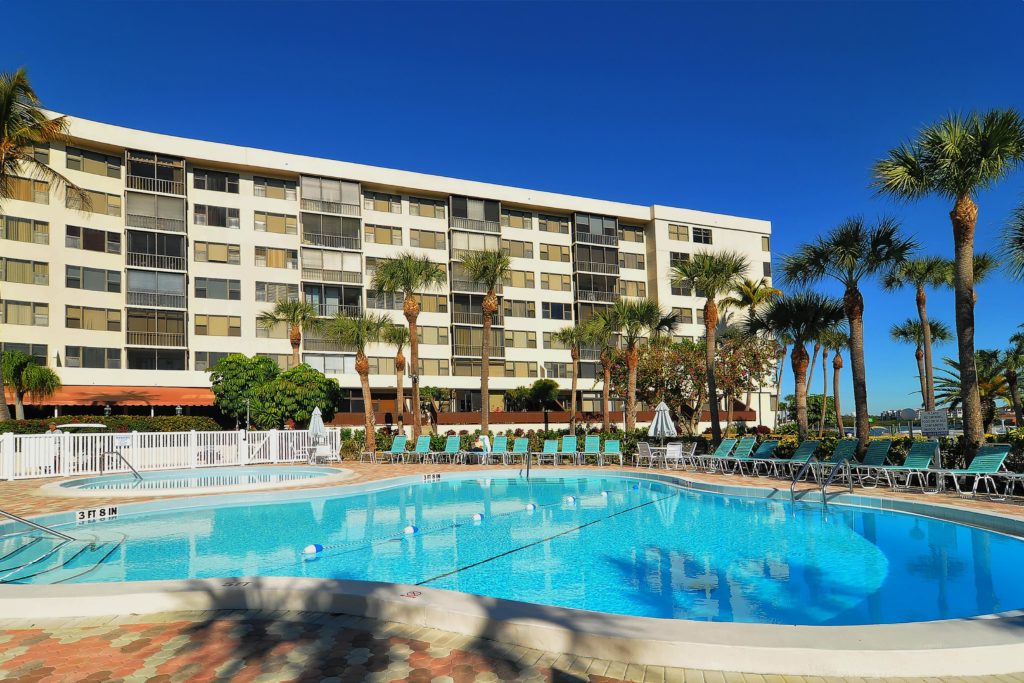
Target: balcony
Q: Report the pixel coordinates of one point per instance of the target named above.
(134, 220)
(597, 267)
(332, 241)
(155, 261)
(477, 351)
(155, 338)
(593, 238)
(476, 319)
(137, 182)
(471, 286)
(331, 310)
(475, 225)
(156, 299)
(593, 295)
(317, 344)
(321, 206)
(590, 354)
(322, 275)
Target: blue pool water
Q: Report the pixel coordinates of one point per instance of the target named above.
(202, 478)
(628, 546)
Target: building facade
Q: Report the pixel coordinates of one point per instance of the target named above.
(183, 243)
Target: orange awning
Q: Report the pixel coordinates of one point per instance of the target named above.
(84, 395)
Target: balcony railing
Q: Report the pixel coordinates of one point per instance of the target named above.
(138, 182)
(332, 241)
(155, 338)
(156, 299)
(476, 319)
(590, 354)
(477, 351)
(593, 238)
(597, 267)
(475, 225)
(323, 275)
(135, 220)
(330, 207)
(330, 310)
(471, 286)
(315, 344)
(141, 260)
(592, 295)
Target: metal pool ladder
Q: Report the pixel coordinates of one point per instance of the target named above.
(801, 473)
(103, 459)
(39, 527)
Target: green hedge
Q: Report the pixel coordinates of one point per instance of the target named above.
(116, 423)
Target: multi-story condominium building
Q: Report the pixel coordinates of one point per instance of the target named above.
(133, 297)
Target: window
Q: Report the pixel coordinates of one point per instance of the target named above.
(276, 291)
(99, 319)
(597, 229)
(216, 216)
(699, 315)
(28, 190)
(702, 235)
(279, 223)
(555, 282)
(93, 162)
(153, 282)
(39, 352)
(156, 359)
(90, 239)
(92, 357)
(558, 370)
(551, 342)
(517, 219)
(432, 335)
(679, 233)
(156, 173)
(41, 153)
(215, 181)
(205, 360)
(427, 239)
(382, 366)
(631, 261)
(684, 315)
(553, 311)
(278, 331)
(518, 249)
(93, 279)
(520, 368)
(767, 268)
(766, 243)
(381, 234)
(476, 210)
(218, 325)
(25, 313)
(471, 368)
(433, 367)
(24, 230)
(554, 252)
(269, 257)
(329, 364)
(214, 288)
(517, 339)
(520, 309)
(155, 212)
(272, 188)
(98, 202)
(464, 243)
(631, 233)
(521, 278)
(385, 300)
(25, 272)
(433, 303)
(431, 208)
(216, 252)
(632, 288)
(675, 258)
(328, 194)
(378, 201)
(559, 224)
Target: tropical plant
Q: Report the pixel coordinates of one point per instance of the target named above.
(955, 159)
(921, 273)
(802, 317)
(573, 337)
(488, 268)
(992, 386)
(298, 316)
(716, 275)
(293, 395)
(750, 295)
(234, 378)
(410, 275)
(358, 331)
(911, 331)
(1013, 243)
(1012, 362)
(836, 340)
(850, 253)
(634, 319)
(600, 335)
(398, 336)
(25, 377)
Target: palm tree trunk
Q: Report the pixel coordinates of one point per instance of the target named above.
(19, 405)
(814, 359)
(798, 359)
(964, 216)
(926, 331)
(411, 309)
(778, 385)
(400, 390)
(606, 404)
(853, 302)
(922, 376)
(837, 365)
(363, 369)
(1011, 384)
(488, 307)
(730, 406)
(575, 354)
(710, 322)
(5, 413)
(295, 338)
(632, 360)
(824, 390)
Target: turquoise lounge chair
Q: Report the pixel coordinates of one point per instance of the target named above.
(397, 451)
(591, 446)
(568, 449)
(916, 466)
(743, 455)
(789, 467)
(845, 451)
(421, 451)
(986, 465)
(762, 457)
(867, 471)
(452, 450)
(612, 447)
(708, 460)
(521, 447)
(499, 449)
(743, 449)
(550, 452)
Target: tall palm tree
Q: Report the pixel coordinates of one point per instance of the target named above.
(911, 331)
(488, 268)
(299, 316)
(358, 331)
(851, 253)
(802, 317)
(1013, 366)
(398, 336)
(1013, 243)
(992, 386)
(921, 273)
(835, 340)
(955, 159)
(750, 295)
(600, 334)
(985, 265)
(717, 275)
(573, 337)
(24, 376)
(634, 319)
(410, 275)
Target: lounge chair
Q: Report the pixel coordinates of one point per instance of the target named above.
(591, 446)
(568, 449)
(985, 466)
(742, 451)
(917, 465)
(612, 447)
(845, 451)
(644, 452)
(499, 450)
(867, 472)
(397, 451)
(521, 448)
(452, 450)
(550, 452)
(421, 451)
(762, 457)
(708, 460)
(789, 467)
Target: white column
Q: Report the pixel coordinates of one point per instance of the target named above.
(243, 448)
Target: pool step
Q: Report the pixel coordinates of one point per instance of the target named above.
(63, 563)
(25, 549)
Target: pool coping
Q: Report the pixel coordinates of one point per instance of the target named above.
(984, 645)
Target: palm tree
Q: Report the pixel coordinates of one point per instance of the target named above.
(1012, 362)
(1013, 239)
(358, 331)
(836, 340)
(573, 337)
(299, 316)
(634, 319)
(750, 295)
(600, 334)
(992, 386)
(398, 336)
(955, 159)
(410, 275)
(20, 371)
(488, 268)
(911, 331)
(921, 273)
(985, 264)
(802, 317)
(716, 274)
(850, 253)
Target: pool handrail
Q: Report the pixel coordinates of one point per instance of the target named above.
(38, 527)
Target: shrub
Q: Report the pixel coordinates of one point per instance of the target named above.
(116, 423)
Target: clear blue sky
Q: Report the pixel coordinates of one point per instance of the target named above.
(770, 110)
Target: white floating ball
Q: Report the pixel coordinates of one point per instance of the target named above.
(478, 517)
(570, 499)
(312, 549)
(409, 530)
(604, 494)
(531, 507)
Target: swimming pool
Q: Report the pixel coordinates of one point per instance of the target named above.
(200, 480)
(607, 543)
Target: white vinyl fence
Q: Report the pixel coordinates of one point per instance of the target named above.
(28, 456)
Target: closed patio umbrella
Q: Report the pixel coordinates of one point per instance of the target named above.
(317, 431)
(662, 426)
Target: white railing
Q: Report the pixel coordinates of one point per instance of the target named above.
(30, 456)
